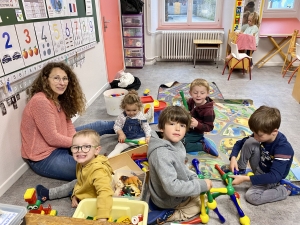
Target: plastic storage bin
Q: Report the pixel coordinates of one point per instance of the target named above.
(134, 62)
(133, 42)
(12, 214)
(133, 52)
(121, 207)
(113, 98)
(133, 31)
(132, 20)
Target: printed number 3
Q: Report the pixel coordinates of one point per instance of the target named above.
(7, 45)
(28, 40)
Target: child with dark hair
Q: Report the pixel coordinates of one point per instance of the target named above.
(174, 189)
(270, 156)
(131, 123)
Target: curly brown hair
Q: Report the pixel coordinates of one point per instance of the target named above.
(131, 98)
(72, 101)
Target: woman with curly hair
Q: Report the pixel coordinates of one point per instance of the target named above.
(46, 127)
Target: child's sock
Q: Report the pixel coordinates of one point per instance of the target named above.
(291, 188)
(42, 193)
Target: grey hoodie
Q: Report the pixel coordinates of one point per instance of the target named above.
(171, 182)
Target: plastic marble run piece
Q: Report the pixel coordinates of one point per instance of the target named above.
(141, 142)
(135, 156)
(211, 203)
(183, 100)
(141, 163)
(229, 190)
(35, 206)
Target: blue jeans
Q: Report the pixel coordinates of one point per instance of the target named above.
(60, 163)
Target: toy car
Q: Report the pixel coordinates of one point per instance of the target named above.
(16, 56)
(6, 58)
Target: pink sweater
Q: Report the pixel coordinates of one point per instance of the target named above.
(44, 128)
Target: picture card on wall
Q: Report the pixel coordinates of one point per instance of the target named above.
(28, 43)
(84, 30)
(57, 37)
(68, 34)
(44, 39)
(10, 52)
(72, 8)
(76, 32)
(34, 9)
(91, 26)
(88, 7)
(57, 8)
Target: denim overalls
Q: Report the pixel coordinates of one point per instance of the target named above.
(133, 128)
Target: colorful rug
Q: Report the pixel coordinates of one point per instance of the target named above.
(231, 124)
(170, 92)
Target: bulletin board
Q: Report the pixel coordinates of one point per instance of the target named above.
(36, 32)
(240, 5)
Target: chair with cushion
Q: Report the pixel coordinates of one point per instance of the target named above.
(296, 57)
(237, 58)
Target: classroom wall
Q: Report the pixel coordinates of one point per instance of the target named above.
(153, 38)
(93, 79)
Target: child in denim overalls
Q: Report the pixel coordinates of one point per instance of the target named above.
(131, 124)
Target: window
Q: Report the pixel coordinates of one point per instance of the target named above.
(190, 13)
(281, 9)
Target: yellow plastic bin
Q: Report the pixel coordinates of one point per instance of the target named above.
(121, 207)
(113, 98)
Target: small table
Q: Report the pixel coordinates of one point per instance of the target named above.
(276, 28)
(207, 44)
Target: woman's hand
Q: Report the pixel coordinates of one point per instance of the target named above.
(74, 202)
(194, 123)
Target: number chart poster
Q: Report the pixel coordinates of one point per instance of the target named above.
(57, 37)
(76, 32)
(10, 53)
(44, 39)
(68, 34)
(28, 43)
(91, 27)
(34, 9)
(1, 72)
(84, 30)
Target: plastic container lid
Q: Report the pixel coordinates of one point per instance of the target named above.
(12, 214)
(146, 99)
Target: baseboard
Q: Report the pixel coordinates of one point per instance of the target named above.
(90, 101)
(13, 178)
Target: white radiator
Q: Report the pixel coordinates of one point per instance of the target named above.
(178, 45)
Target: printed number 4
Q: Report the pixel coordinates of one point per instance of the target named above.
(43, 36)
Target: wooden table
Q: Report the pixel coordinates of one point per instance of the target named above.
(277, 28)
(207, 44)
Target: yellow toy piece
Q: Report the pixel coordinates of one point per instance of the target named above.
(146, 92)
(156, 103)
(245, 220)
(124, 219)
(53, 212)
(203, 215)
(249, 174)
(29, 193)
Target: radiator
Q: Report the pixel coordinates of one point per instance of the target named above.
(178, 45)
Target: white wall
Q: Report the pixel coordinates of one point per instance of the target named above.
(153, 37)
(93, 79)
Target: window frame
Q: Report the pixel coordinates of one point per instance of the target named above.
(162, 25)
(281, 13)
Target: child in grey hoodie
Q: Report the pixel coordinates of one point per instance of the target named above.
(174, 189)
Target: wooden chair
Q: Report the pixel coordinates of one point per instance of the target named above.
(238, 58)
(297, 57)
(291, 56)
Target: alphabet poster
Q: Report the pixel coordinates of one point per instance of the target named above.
(28, 43)
(10, 53)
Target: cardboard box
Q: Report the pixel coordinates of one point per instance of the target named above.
(296, 89)
(124, 163)
(121, 207)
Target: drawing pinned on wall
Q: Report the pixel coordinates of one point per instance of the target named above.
(72, 8)
(57, 8)
(88, 7)
(10, 52)
(28, 43)
(34, 9)
(68, 34)
(57, 37)
(9, 4)
(44, 39)
(19, 15)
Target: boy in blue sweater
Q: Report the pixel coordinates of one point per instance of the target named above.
(270, 156)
